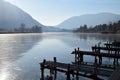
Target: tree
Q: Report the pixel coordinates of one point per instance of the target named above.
(22, 28)
(36, 29)
(104, 28)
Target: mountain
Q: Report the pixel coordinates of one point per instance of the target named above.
(54, 29)
(12, 17)
(89, 20)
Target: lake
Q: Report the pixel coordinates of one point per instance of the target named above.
(20, 54)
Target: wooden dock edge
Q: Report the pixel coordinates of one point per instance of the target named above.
(115, 75)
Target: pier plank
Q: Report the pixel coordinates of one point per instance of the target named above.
(73, 67)
(97, 54)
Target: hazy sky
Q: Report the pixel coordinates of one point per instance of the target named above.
(53, 12)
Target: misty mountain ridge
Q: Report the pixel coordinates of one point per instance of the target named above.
(12, 17)
(89, 20)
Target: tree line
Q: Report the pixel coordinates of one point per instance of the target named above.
(23, 29)
(102, 28)
(33, 29)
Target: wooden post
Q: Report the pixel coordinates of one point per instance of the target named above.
(95, 68)
(42, 72)
(75, 56)
(77, 71)
(117, 58)
(51, 71)
(73, 74)
(78, 56)
(95, 48)
(42, 69)
(55, 71)
(99, 44)
(68, 72)
(114, 62)
(100, 60)
(81, 57)
(55, 59)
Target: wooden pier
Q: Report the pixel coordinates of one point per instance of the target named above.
(73, 69)
(98, 53)
(112, 44)
(115, 75)
(81, 68)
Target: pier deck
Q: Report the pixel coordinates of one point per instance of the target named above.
(107, 48)
(82, 68)
(74, 69)
(97, 54)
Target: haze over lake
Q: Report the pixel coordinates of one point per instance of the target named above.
(20, 54)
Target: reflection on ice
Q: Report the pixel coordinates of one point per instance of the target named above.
(12, 46)
(20, 54)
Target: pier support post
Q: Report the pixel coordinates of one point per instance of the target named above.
(75, 56)
(42, 72)
(78, 55)
(117, 62)
(95, 69)
(114, 62)
(68, 72)
(117, 59)
(55, 71)
(77, 78)
(55, 60)
(77, 71)
(42, 69)
(81, 57)
(100, 60)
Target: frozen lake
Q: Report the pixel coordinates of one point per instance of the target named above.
(20, 54)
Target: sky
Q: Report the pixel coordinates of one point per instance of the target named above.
(53, 12)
